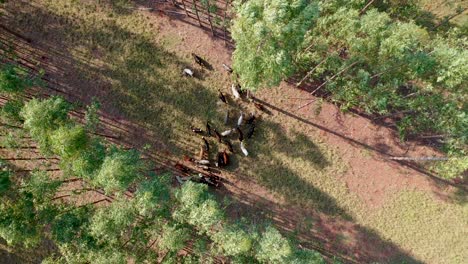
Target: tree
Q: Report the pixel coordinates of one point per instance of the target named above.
(173, 237)
(11, 109)
(19, 224)
(70, 226)
(87, 162)
(68, 141)
(42, 188)
(233, 241)
(5, 182)
(43, 117)
(268, 33)
(111, 223)
(13, 79)
(273, 247)
(91, 116)
(153, 197)
(119, 169)
(197, 208)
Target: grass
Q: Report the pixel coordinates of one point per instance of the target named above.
(442, 8)
(435, 231)
(135, 70)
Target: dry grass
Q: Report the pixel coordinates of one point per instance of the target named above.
(442, 8)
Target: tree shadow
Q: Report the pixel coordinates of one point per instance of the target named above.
(407, 164)
(334, 236)
(128, 73)
(272, 152)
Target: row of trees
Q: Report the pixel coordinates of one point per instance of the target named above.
(377, 60)
(155, 225)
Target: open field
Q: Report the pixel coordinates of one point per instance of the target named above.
(321, 175)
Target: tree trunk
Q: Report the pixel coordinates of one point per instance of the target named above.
(310, 72)
(334, 76)
(365, 7)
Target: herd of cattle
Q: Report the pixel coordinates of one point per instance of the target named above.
(244, 128)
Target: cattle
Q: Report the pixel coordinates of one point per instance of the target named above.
(229, 145)
(222, 159)
(244, 150)
(208, 128)
(181, 168)
(251, 131)
(227, 68)
(181, 180)
(222, 97)
(225, 158)
(203, 167)
(251, 119)
(235, 92)
(188, 159)
(226, 117)
(259, 106)
(202, 154)
(196, 130)
(207, 146)
(202, 162)
(241, 118)
(188, 72)
(241, 135)
(227, 132)
(209, 180)
(217, 135)
(200, 61)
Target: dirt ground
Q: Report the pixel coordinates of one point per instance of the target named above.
(363, 146)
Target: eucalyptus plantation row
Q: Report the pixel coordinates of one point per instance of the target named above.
(157, 224)
(365, 55)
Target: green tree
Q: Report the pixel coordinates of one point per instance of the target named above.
(19, 223)
(111, 223)
(173, 237)
(12, 108)
(273, 247)
(71, 226)
(5, 182)
(87, 162)
(92, 116)
(119, 169)
(41, 117)
(268, 33)
(69, 140)
(233, 241)
(197, 208)
(13, 79)
(153, 197)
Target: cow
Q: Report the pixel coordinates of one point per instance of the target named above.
(208, 128)
(207, 146)
(217, 135)
(251, 131)
(241, 135)
(244, 150)
(241, 118)
(227, 68)
(188, 72)
(235, 92)
(222, 97)
(196, 130)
